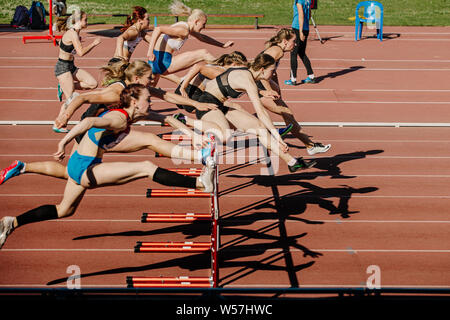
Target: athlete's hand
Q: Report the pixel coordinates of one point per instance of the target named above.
(272, 94)
(151, 56)
(97, 41)
(61, 153)
(228, 44)
(284, 147)
(61, 121)
(205, 106)
(183, 92)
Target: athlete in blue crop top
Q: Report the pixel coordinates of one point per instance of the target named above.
(104, 139)
(96, 174)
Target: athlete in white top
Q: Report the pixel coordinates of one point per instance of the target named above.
(166, 40)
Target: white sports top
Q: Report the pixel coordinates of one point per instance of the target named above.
(130, 45)
(175, 43)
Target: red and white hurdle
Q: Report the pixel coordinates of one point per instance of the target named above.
(50, 35)
(178, 247)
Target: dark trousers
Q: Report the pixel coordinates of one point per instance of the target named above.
(300, 51)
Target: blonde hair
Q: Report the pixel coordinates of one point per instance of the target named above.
(283, 34)
(227, 59)
(66, 23)
(179, 8)
(123, 70)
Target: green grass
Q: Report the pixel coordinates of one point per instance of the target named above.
(330, 12)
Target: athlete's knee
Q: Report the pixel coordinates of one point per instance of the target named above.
(149, 167)
(64, 211)
(205, 54)
(91, 84)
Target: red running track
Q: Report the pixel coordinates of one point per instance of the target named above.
(379, 197)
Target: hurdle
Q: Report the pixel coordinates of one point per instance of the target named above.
(182, 247)
(50, 35)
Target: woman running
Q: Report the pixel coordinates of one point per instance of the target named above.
(133, 32)
(65, 70)
(85, 167)
(135, 140)
(232, 83)
(270, 92)
(167, 40)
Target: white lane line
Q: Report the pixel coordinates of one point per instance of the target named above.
(355, 251)
(237, 219)
(287, 286)
(287, 101)
(7, 195)
(280, 68)
(67, 250)
(283, 59)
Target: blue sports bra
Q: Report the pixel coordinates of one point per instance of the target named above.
(109, 139)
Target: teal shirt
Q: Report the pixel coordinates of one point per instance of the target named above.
(306, 5)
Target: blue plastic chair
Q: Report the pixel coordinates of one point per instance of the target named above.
(372, 15)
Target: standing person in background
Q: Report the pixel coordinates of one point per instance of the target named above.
(300, 25)
(65, 70)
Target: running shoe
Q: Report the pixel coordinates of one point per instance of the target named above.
(6, 227)
(302, 165)
(309, 80)
(60, 130)
(209, 150)
(60, 93)
(290, 82)
(12, 171)
(207, 177)
(284, 131)
(318, 148)
(180, 117)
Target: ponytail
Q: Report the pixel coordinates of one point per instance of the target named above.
(138, 13)
(262, 61)
(123, 70)
(66, 23)
(179, 8)
(283, 34)
(234, 57)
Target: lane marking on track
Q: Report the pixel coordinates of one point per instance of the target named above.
(23, 195)
(280, 68)
(283, 59)
(287, 286)
(346, 250)
(284, 89)
(67, 250)
(245, 157)
(287, 101)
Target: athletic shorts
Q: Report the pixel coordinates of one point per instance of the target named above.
(193, 92)
(206, 97)
(161, 63)
(78, 164)
(63, 66)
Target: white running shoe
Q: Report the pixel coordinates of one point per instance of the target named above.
(6, 227)
(318, 148)
(207, 177)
